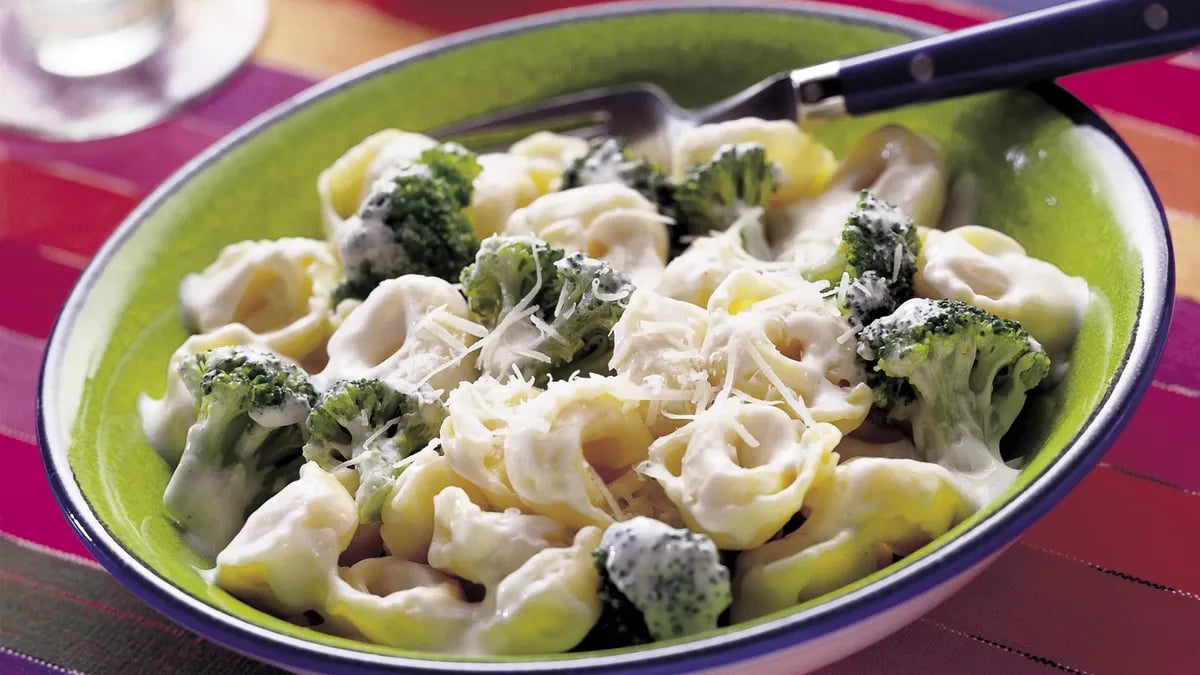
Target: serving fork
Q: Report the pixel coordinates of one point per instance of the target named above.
(1013, 52)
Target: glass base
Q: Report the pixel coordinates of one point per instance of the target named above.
(206, 43)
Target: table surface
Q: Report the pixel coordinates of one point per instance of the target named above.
(1108, 582)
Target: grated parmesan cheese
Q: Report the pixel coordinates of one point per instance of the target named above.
(605, 494)
(744, 433)
(797, 405)
(548, 330)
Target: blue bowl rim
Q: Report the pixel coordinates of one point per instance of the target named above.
(952, 559)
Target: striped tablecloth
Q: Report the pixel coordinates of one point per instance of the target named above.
(1109, 582)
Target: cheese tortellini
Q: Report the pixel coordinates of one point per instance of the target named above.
(414, 328)
(991, 270)
(898, 165)
(283, 557)
(485, 547)
(696, 273)
(549, 154)
(408, 514)
(342, 187)
(741, 470)
(472, 437)
(505, 183)
(547, 605)
(773, 337)
(280, 289)
(607, 221)
(656, 344)
(870, 509)
(571, 440)
(400, 603)
(805, 165)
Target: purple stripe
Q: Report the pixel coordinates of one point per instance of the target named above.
(15, 663)
(1180, 363)
(253, 90)
(1158, 441)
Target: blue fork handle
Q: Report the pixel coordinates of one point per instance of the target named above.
(1017, 51)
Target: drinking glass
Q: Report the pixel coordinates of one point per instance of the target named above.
(88, 69)
(81, 38)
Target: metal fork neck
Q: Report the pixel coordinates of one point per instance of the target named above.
(818, 91)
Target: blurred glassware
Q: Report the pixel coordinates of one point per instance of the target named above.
(89, 69)
(81, 38)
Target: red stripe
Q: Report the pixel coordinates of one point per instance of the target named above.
(1160, 441)
(1127, 524)
(27, 507)
(46, 207)
(1085, 619)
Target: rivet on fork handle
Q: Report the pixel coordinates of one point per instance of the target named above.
(818, 91)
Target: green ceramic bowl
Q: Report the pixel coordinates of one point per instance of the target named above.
(1081, 202)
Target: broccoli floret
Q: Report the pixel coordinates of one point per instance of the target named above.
(552, 313)
(506, 269)
(878, 255)
(412, 222)
(657, 583)
(373, 425)
(714, 195)
(593, 298)
(455, 165)
(245, 444)
(958, 373)
(608, 161)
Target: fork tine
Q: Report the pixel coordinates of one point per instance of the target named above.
(589, 107)
(500, 139)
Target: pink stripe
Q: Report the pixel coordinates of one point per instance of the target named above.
(27, 507)
(253, 90)
(159, 150)
(1079, 617)
(1157, 91)
(32, 288)
(1181, 358)
(19, 359)
(1160, 439)
(928, 646)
